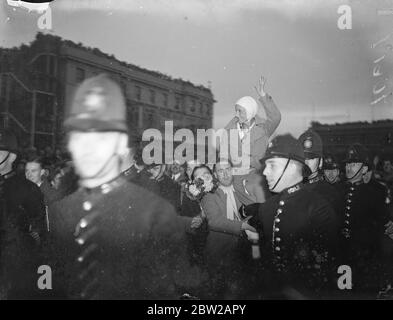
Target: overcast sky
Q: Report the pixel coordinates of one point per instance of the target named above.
(315, 71)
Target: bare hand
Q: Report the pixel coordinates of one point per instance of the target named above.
(196, 222)
(246, 226)
(260, 89)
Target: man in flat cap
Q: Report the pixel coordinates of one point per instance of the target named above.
(115, 239)
(312, 148)
(22, 225)
(297, 226)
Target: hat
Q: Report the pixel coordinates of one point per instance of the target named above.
(284, 146)
(98, 105)
(312, 144)
(330, 162)
(250, 105)
(357, 153)
(8, 141)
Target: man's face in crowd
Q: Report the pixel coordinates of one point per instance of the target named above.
(34, 172)
(202, 173)
(176, 168)
(224, 173)
(313, 164)
(367, 176)
(93, 151)
(155, 171)
(241, 114)
(353, 171)
(331, 175)
(387, 166)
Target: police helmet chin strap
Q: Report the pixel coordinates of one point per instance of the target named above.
(6, 158)
(282, 174)
(356, 172)
(114, 153)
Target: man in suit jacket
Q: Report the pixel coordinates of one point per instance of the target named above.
(226, 227)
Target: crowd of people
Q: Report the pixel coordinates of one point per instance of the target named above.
(294, 223)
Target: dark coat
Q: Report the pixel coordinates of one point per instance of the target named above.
(297, 229)
(326, 191)
(23, 212)
(363, 216)
(137, 243)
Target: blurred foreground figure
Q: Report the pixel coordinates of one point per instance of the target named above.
(22, 226)
(113, 239)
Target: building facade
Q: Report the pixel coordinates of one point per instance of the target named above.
(377, 136)
(38, 81)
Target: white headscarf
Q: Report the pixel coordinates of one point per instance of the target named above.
(250, 105)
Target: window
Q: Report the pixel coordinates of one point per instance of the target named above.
(192, 105)
(80, 75)
(152, 97)
(165, 98)
(138, 93)
(200, 107)
(177, 103)
(52, 65)
(207, 110)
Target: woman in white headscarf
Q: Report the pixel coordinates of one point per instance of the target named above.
(253, 132)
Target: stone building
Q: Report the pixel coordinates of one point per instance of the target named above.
(38, 80)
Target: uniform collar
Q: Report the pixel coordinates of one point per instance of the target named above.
(7, 175)
(292, 190)
(108, 186)
(317, 178)
(129, 171)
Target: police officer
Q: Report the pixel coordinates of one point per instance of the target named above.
(22, 225)
(313, 152)
(114, 240)
(297, 226)
(363, 216)
(331, 169)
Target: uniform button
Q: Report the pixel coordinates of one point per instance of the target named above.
(349, 200)
(279, 211)
(346, 222)
(276, 229)
(347, 214)
(348, 207)
(352, 188)
(281, 203)
(277, 248)
(277, 220)
(278, 239)
(87, 206)
(350, 194)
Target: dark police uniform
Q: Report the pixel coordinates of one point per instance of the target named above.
(312, 147)
(23, 212)
(363, 216)
(297, 229)
(119, 241)
(116, 241)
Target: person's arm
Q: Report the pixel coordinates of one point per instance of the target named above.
(217, 221)
(273, 114)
